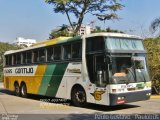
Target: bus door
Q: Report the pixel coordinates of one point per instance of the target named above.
(101, 76)
(100, 71)
(97, 70)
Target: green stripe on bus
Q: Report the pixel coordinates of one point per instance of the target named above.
(56, 79)
(46, 79)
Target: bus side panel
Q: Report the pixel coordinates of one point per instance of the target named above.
(71, 76)
(32, 81)
(52, 79)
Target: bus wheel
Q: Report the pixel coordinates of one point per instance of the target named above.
(78, 97)
(24, 90)
(17, 89)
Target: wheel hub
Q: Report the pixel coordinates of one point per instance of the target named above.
(80, 96)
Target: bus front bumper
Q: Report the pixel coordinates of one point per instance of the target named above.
(121, 98)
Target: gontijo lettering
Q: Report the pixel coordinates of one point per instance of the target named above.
(24, 70)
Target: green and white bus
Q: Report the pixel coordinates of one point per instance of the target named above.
(101, 68)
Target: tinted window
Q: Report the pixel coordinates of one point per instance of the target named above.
(50, 54)
(24, 57)
(77, 50)
(10, 59)
(57, 53)
(35, 56)
(19, 58)
(6, 60)
(67, 51)
(42, 57)
(29, 57)
(95, 44)
(14, 59)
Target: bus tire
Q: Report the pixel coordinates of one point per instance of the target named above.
(17, 89)
(24, 90)
(78, 96)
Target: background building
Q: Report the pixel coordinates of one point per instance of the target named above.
(24, 42)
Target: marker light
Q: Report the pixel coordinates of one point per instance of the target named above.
(113, 90)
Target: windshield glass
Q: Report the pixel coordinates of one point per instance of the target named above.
(114, 43)
(129, 70)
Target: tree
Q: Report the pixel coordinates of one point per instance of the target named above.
(62, 31)
(99, 29)
(102, 9)
(5, 47)
(155, 26)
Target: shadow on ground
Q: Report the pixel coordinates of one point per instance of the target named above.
(99, 108)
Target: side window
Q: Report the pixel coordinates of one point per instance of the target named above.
(77, 50)
(6, 60)
(24, 57)
(29, 57)
(50, 54)
(19, 58)
(42, 56)
(14, 59)
(94, 44)
(67, 51)
(57, 52)
(35, 56)
(10, 60)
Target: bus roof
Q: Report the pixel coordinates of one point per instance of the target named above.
(70, 39)
(108, 34)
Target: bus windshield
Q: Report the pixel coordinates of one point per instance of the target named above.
(129, 70)
(115, 43)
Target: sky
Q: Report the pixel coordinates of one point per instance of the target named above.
(34, 19)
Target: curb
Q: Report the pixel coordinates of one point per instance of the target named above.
(155, 97)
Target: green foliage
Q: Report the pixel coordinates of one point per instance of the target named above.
(5, 47)
(55, 34)
(62, 31)
(102, 9)
(153, 51)
(98, 29)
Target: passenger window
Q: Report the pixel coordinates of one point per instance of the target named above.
(19, 58)
(29, 57)
(10, 59)
(57, 52)
(35, 56)
(50, 54)
(14, 59)
(24, 58)
(6, 60)
(77, 50)
(67, 51)
(42, 57)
